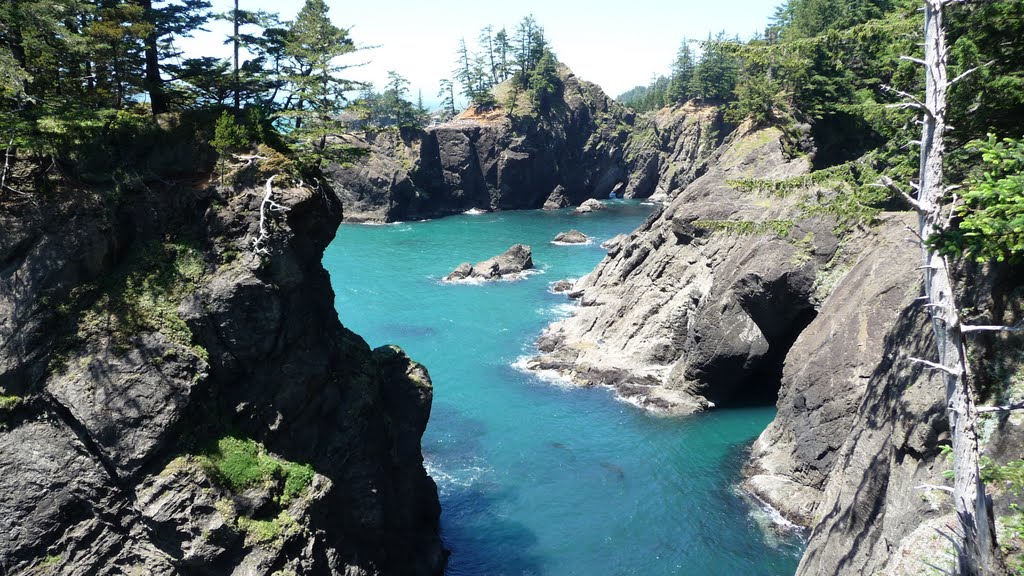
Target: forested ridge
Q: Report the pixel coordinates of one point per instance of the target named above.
(844, 68)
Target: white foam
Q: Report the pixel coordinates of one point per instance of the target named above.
(505, 278)
(774, 518)
(587, 243)
(563, 310)
(459, 477)
(475, 212)
(554, 377)
(372, 223)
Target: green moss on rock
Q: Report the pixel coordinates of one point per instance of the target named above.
(239, 464)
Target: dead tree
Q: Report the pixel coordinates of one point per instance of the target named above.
(259, 244)
(975, 544)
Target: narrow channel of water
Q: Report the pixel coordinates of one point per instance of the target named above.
(536, 477)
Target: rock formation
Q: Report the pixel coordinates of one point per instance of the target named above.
(561, 286)
(734, 293)
(588, 206)
(702, 301)
(175, 403)
(587, 147)
(572, 237)
(513, 261)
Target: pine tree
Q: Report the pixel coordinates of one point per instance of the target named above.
(682, 74)
(313, 47)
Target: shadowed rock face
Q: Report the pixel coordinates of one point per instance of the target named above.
(129, 366)
(829, 367)
(512, 261)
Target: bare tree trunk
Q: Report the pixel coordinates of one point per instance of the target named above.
(153, 82)
(977, 553)
(234, 39)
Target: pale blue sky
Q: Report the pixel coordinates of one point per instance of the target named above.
(617, 45)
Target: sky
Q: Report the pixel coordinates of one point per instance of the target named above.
(617, 45)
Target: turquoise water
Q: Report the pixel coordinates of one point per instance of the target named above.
(536, 477)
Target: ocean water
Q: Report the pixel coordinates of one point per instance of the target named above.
(537, 477)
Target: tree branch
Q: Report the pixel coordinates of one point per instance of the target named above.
(935, 366)
(258, 243)
(970, 71)
(1007, 408)
(934, 487)
(887, 182)
(969, 328)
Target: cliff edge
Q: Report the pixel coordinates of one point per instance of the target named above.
(179, 398)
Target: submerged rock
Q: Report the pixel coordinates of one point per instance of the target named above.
(591, 205)
(561, 286)
(572, 237)
(513, 261)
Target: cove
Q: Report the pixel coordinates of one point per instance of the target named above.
(536, 477)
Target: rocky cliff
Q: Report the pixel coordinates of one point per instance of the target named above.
(585, 146)
(698, 306)
(172, 401)
(740, 290)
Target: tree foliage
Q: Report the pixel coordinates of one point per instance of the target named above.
(522, 58)
(991, 223)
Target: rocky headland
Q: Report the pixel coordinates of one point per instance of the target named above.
(586, 146)
(179, 396)
(739, 290)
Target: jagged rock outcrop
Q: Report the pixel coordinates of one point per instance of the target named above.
(571, 237)
(670, 148)
(586, 146)
(872, 514)
(732, 287)
(829, 367)
(698, 306)
(513, 261)
(141, 338)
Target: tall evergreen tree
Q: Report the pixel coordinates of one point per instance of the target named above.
(682, 74)
(714, 77)
(313, 47)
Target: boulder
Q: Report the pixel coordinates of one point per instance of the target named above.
(513, 261)
(557, 200)
(572, 237)
(561, 286)
(590, 205)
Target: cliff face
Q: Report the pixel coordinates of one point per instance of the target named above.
(829, 368)
(586, 146)
(698, 306)
(174, 403)
(732, 293)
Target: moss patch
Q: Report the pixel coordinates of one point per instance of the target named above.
(9, 402)
(141, 295)
(780, 228)
(238, 464)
